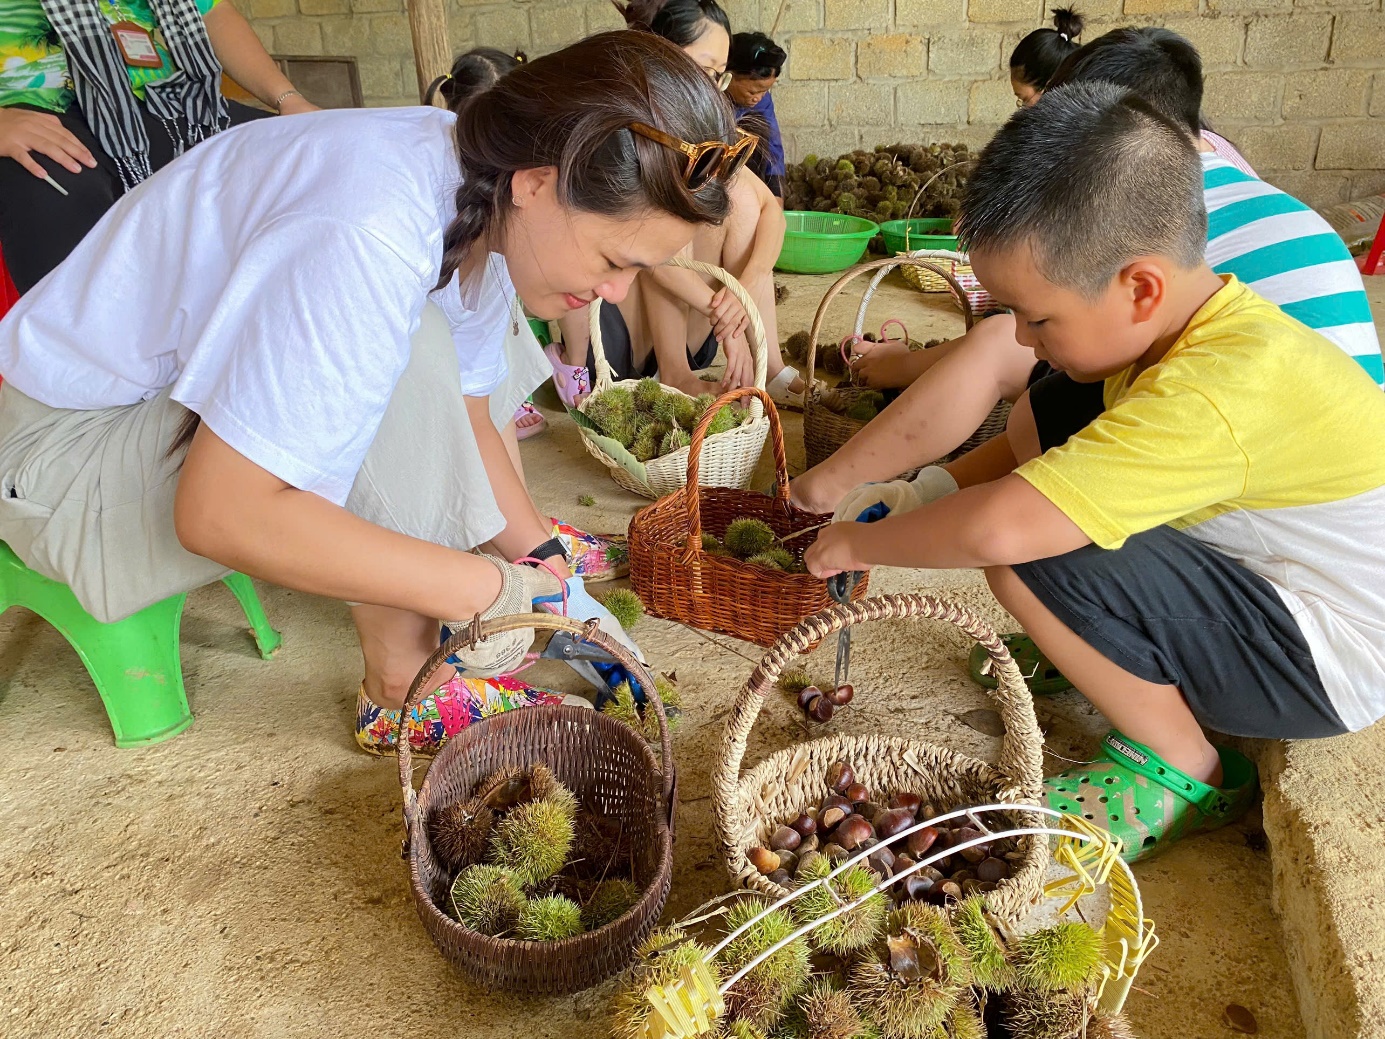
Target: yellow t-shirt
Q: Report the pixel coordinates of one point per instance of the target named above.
(1259, 437)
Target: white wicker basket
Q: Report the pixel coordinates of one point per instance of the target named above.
(729, 459)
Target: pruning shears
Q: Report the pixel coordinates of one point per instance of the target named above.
(839, 587)
(567, 647)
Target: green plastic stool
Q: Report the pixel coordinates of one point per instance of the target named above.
(134, 662)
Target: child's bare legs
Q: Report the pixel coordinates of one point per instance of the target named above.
(1155, 715)
(395, 644)
(671, 325)
(930, 418)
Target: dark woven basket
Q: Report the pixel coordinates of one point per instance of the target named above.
(676, 579)
(825, 430)
(610, 768)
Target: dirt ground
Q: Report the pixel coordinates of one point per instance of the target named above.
(244, 879)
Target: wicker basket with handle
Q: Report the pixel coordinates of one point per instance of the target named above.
(824, 429)
(613, 772)
(676, 578)
(731, 456)
(747, 807)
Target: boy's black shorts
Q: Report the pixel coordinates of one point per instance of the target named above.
(1170, 609)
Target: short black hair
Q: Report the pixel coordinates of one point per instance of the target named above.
(1157, 64)
(1040, 53)
(1091, 176)
(681, 22)
(755, 54)
(476, 70)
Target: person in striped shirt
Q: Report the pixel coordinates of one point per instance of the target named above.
(1269, 240)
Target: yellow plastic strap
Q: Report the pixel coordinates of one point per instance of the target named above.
(687, 1008)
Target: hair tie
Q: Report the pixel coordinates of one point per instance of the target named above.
(1065, 37)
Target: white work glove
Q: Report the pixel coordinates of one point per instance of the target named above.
(873, 501)
(522, 589)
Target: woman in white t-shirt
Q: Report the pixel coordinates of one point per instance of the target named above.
(235, 369)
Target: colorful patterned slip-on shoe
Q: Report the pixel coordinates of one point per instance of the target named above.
(439, 717)
(595, 557)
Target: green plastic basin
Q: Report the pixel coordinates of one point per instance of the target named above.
(822, 243)
(919, 233)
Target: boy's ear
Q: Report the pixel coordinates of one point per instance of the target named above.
(1145, 284)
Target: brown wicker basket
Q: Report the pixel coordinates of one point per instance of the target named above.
(825, 430)
(678, 580)
(748, 807)
(610, 768)
(731, 456)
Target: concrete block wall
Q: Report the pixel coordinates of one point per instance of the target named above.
(1299, 85)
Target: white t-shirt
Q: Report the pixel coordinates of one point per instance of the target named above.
(273, 276)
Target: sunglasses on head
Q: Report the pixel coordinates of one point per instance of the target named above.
(708, 160)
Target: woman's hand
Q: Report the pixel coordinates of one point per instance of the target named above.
(834, 551)
(23, 132)
(740, 365)
(727, 316)
(297, 104)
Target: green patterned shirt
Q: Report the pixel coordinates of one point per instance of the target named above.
(33, 67)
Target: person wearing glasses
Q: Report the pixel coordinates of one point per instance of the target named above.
(269, 390)
(674, 319)
(755, 62)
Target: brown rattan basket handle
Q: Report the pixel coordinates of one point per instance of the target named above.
(919, 258)
(1021, 748)
(542, 621)
(890, 262)
(692, 493)
(759, 344)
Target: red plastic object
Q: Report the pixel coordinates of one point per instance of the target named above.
(1371, 264)
(9, 295)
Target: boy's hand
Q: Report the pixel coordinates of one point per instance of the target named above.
(834, 552)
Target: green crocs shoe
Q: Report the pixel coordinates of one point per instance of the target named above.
(1146, 802)
(1041, 676)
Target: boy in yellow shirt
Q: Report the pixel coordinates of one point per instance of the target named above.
(1207, 548)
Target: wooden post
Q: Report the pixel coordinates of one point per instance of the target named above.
(432, 54)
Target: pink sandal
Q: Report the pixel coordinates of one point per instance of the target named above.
(528, 421)
(572, 381)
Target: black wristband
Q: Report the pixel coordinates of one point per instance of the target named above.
(551, 547)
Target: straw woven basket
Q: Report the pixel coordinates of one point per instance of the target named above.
(675, 578)
(747, 807)
(610, 768)
(825, 430)
(731, 456)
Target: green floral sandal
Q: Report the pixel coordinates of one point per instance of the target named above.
(1039, 674)
(1146, 802)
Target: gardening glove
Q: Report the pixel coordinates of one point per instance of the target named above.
(522, 590)
(874, 501)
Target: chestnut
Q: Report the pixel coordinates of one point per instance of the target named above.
(821, 710)
(785, 838)
(920, 841)
(832, 817)
(903, 862)
(917, 887)
(805, 862)
(857, 793)
(835, 853)
(840, 696)
(840, 777)
(975, 853)
(788, 862)
(853, 831)
(806, 825)
(993, 870)
(780, 877)
(882, 860)
(893, 822)
(950, 889)
(763, 860)
(809, 843)
(807, 695)
(909, 802)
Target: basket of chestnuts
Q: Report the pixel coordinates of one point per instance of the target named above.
(540, 845)
(816, 803)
